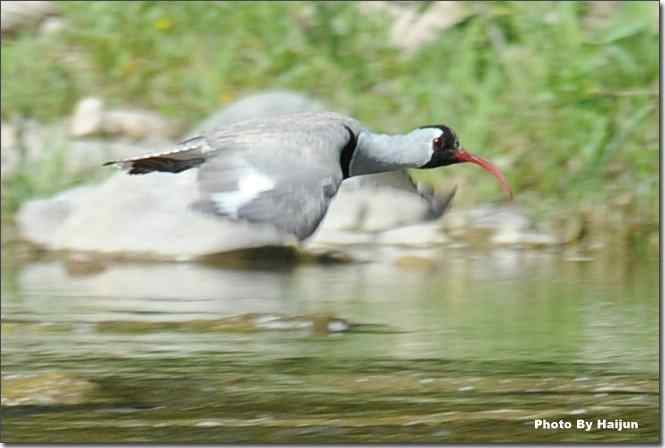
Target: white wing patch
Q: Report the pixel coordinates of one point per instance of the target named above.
(250, 186)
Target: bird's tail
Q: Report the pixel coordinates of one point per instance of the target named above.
(188, 154)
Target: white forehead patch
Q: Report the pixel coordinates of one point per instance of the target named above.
(431, 134)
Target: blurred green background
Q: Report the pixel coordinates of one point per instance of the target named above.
(562, 95)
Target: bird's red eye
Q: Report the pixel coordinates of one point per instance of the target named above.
(437, 143)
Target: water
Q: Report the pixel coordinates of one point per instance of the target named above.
(445, 345)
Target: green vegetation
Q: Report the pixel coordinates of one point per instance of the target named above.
(566, 104)
(42, 177)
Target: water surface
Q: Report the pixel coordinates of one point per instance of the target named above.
(439, 345)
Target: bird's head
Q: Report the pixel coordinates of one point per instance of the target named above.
(444, 148)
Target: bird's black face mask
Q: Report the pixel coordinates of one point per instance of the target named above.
(447, 151)
(444, 148)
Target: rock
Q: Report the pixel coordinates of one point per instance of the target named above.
(45, 145)
(18, 15)
(417, 235)
(48, 389)
(9, 137)
(242, 323)
(374, 209)
(415, 25)
(88, 117)
(374, 214)
(138, 124)
(599, 13)
(38, 219)
(91, 118)
(83, 264)
(9, 151)
(139, 216)
(330, 237)
(39, 141)
(380, 202)
(421, 234)
(497, 225)
(569, 226)
(89, 154)
(150, 217)
(52, 25)
(490, 219)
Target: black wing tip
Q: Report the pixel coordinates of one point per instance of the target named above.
(149, 164)
(128, 167)
(139, 170)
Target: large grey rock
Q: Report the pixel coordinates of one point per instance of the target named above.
(424, 234)
(149, 217)
(144, 216)
(40, 219)
(380, 202)
(374, 209)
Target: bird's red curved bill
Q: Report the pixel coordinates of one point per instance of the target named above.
(466, 156)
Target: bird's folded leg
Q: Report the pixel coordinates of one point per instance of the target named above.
(439, 203)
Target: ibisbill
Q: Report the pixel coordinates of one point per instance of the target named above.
(285, 170)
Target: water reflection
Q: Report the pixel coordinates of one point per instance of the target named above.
(457, 323)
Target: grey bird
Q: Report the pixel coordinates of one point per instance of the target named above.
(285, 170)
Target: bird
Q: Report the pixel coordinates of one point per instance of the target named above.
(285, 170)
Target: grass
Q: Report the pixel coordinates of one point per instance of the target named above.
(43, 176)
(567, 106)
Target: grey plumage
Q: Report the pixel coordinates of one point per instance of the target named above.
(283, 170)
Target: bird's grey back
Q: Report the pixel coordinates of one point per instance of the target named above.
(282, 170)
(283, 129)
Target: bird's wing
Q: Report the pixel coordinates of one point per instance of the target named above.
(286, 179)
(187, 154)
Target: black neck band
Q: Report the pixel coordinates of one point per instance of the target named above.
(347, 153)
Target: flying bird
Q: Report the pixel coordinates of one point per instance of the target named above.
(285, 170)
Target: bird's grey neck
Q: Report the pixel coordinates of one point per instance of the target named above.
(377, 153)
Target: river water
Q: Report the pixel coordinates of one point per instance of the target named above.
(438, 346)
